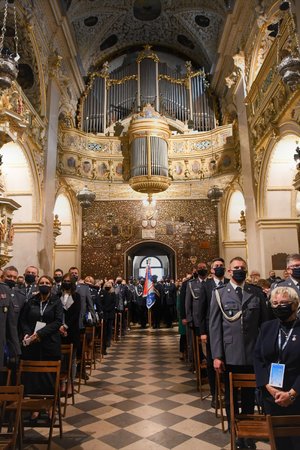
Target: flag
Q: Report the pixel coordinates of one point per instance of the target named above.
(149, 291)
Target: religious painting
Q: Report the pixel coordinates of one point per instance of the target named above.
(119, 169)
(86, 166)
(102, 169)
(71, 162)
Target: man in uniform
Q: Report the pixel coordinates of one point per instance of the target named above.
(293, 270)
(169, 302)
(159, 300)
(58, 276)
(9, 277)
(141, 303)
(87, 312)
(201, 321)
(236, 313)
(192, 300)
(9, 342)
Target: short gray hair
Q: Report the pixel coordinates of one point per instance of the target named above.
(285, 291)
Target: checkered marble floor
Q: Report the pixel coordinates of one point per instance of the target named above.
(142, 397)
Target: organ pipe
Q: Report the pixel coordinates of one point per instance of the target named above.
(113, 96)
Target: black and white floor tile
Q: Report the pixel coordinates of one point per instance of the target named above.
(142, 397)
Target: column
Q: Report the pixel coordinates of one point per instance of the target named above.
(50, 155)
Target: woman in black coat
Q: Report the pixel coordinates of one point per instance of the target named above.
(70, 332)
(40, 320)
(106, 305)
(279, 342)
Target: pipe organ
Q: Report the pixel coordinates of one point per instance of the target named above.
(111, 97)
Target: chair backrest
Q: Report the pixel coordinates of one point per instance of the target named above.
(282, 426)
(5, 375)
(12, 394)
(40, 367)
(67, 353)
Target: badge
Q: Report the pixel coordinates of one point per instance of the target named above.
(276, 375)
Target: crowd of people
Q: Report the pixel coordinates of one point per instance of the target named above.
(245, 324)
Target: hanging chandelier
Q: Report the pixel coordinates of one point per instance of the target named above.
(8, 59)
(214, 194)
(86, 197)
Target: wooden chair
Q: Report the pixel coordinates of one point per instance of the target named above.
(118, 326)
(220, 393)
(89, 348)
(98, 342)
(81, 361)
(41, 402)
(249, 425)
(282, 426)
(200, 366)
(12, 395)
(5, 375)
(66, 375)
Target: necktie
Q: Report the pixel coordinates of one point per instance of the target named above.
(239, 293)
(220, 283)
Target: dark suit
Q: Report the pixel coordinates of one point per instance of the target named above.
(8, 328)
(234, 341)
(266, 352)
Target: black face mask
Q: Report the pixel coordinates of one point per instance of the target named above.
(30, 279)
(74, 277)
(296, 273)
(119, 281)
(107, 288)
(10, 283)
(66, 285)
(202, 272)
(283, 312)
(44, 289)
(58, 279)
(239, 275)
(219, 271)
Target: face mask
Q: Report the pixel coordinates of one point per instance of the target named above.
(44, 289)
(119, 281)
(107, 288)
(74, 277)
(10, 283)
(66, 285)
(202, 272)
(239, 275)
(296, 273)
(283, 312)
(30, 279)
(219, 271)
(58, 279)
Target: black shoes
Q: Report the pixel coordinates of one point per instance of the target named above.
(245, 444)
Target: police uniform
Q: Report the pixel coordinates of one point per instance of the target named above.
(141, 305)
(233, 328)
(8, 331)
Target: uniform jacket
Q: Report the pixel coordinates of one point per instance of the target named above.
(86, 303)
(266, 352)
(49, 345)
(107, 303)
(8, 328)
(192, 298)
(234, 342)
(202, 320)
(170, 294)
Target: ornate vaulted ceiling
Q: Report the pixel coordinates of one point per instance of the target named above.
(106, 28)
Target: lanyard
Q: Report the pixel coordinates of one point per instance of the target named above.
(287, 338)
(42, 310)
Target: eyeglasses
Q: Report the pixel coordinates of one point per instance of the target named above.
(276, 304)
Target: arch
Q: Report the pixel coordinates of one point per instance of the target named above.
(235, 204)
(150, 248)
(63, 208)
(21, 182)
(276, 179)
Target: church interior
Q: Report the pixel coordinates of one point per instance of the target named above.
(150, 128)
(136, 129)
